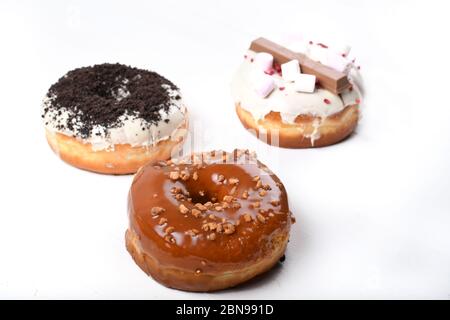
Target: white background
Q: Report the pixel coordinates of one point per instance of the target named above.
(373, 213)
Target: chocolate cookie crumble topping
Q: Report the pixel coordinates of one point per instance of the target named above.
(100, 95)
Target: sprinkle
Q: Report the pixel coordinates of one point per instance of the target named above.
(270, 72)
(169, 230)
(251, 60)
(358, 101)
(212, 236)
(157, 210)
(245, 56)
(196, 213)
(201, 207)
(185, 175)
(326, 101)
(358, 67)
(322, 45)
(281, 88)
(183, 209)
(229, 228)
(260, 218)
(275, 202)
(228, 198)
(174, 175)
(310, 42)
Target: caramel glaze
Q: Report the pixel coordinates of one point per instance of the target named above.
(181, 240)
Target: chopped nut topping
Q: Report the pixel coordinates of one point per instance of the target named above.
(220, 178)
(227, 198)
(190, 233)
(213, 199)
(169, 230)
(185, 175)
(225, 205)
(267, 187)
(208, 204)
(211, 236)
(179, 196)
(212, 226)
(196, 213)
(262, 192)
(175, 190)
(245, 195)
(218, 208)
(201, 207)
(169, 238)
(271, 215)
(162, 221)
(233, 190)
(256, 204)
(229, 228)
(212, 217)
(258, 184)
(195, 231)
(236, 205)
(201, 193)
(219, 228)
(275, 202)
(256, 178)
(205, 227)
(195, 176)
(198, 271)
(183, 209)
(157, 210)
(174, 175)
(247, 217)
(233, 181)
(260, 218)
(155, 195)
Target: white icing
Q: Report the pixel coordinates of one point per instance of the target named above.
(288, 102)
(128, 131)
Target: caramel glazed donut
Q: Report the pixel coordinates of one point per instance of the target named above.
(292, 119)
(207, 222)
(113, 119)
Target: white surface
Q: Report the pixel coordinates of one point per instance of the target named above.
(373, 213)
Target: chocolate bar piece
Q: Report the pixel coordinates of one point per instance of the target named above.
(327, 77)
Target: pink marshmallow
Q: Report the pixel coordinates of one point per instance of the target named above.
(337, 61)
(263, 84)
(264, 61)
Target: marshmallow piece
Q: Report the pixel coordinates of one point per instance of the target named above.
(263, 84)
(299, 46)
(336, 61)
(305, 83)
(264, 61)
(318, 53)
(290, 70)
